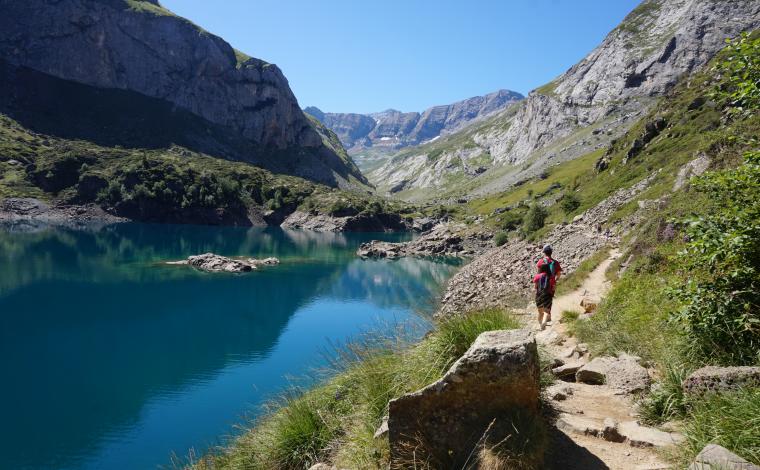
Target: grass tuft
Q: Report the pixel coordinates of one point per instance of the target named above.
(731, 420)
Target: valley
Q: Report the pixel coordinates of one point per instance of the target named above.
(392, 331)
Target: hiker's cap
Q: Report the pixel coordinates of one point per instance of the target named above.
(547, 249)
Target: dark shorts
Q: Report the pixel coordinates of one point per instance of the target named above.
(544, 300)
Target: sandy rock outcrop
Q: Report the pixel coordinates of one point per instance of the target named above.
(497, 378)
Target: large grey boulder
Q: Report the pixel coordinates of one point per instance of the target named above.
(719, 379)
(715, 457)
(495, 380)
(622, 373)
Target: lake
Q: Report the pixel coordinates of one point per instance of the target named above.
(112, 359)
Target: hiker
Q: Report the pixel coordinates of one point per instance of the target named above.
(549, 270)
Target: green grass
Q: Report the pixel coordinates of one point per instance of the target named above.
(632, 318)
(241, 57)
(336, 421)
(731, 420)
(575, 279)
(146, 6)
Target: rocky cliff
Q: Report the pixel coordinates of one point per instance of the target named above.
(595, 101)
(140, 47)
(394, 129)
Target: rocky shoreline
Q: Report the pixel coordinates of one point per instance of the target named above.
(444, 239)
(33, 212)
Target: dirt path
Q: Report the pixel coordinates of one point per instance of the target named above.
(571, 448)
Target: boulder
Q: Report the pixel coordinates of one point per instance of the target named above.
(495, 381)
(715, 379)
(715, 457)
(215, 263)
(623, 374)
(568, 371)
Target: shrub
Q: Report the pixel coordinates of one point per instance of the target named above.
(740, 93)
(500, 239)
(569, 203)
(535, 218)
(511, 221)
(721, 297)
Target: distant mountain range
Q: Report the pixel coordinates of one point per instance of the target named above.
(392, 129)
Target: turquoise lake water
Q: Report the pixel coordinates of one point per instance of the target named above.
(112, 360)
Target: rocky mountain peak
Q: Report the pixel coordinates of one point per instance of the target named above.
(393, 129)
(138, 46)
(638, 61)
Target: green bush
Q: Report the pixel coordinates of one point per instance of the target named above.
(569, 203)
(740, 92)
(500, 239)
(535, 218)
(721, 291)
(511, 220)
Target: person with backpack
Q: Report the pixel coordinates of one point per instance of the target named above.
(549, 271)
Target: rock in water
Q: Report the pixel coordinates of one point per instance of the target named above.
(495, 380)
(215, 263)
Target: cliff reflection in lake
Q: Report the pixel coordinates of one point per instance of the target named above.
(113, 360)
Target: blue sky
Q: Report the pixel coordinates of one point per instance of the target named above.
(362, 56)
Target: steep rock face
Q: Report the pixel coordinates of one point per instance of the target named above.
(656, 44)
(638, 61)
(138, 46)
(395, 129)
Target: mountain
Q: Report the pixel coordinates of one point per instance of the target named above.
(579, 112)
(391, 130)
(137, 46)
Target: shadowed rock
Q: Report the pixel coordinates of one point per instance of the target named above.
(494, 382)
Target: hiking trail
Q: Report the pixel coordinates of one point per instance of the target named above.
(588, 415)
